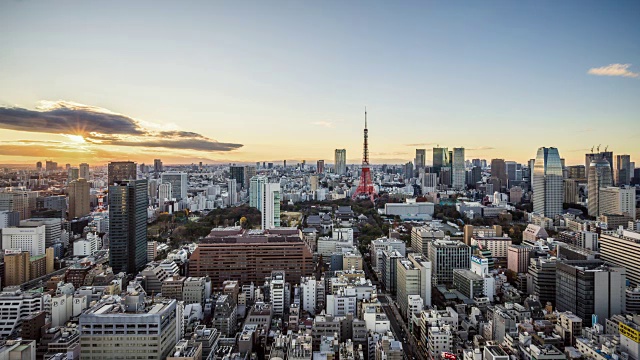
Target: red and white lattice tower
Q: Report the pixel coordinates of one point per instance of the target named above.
(365, 187)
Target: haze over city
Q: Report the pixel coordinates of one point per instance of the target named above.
(261, 81)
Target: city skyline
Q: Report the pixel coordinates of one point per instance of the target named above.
(213, 83)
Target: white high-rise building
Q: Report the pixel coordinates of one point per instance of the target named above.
(270, 206)
(164, 191)
(256, 187)
(232, 191)
(28, 238)
(458, 172)
(548, 187)
(618, 201)
(178, 181)
(341, 161)
(599, 177)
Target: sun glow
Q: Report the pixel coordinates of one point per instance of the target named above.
(76, 139)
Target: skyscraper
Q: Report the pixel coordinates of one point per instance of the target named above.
(408, 170)
(79, 200)
(249, 172)
(178, 181)
(237, 173)
(499, 171)
(84, 171)
(440, 159)
(548, 188)
(121, 170)
(72, 174)
(421, 156)
(320, 166)
(128, 203)
(599, 177)
(157, 167)
(341, 161)
(622, 171)
(270, 206)
(514, 172)
(232, 191)
(458, 173)
(256, 188)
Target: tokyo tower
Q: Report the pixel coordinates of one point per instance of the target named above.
(365, 187)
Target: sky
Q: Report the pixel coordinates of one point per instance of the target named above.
(245, 81)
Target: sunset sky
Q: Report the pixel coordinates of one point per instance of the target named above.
(246, 81)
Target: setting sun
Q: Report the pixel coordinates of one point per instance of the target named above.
(77, 139)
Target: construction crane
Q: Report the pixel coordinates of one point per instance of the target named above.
(605, 148)
(592, 149)
(598, 148)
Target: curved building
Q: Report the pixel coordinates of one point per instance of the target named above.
(599, 177)
(548, 187)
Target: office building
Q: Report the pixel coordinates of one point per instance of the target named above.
(120, 171)
(256, 189)
(340, 163)
(514, 172)
(128, 203)
(148, 328)
(440, 159)
(157, 167)
(622, 248)
(250, 256)
(574, 190)
(548, 188)
(515, 195)
(541, 279)
(468, 283)
(622, 171)
(518, 258)
(79, 200)
(577, 172)
(618, 201)
(320, 167)
(474, 175)
(249, 172)
(165, 192)
(599, 177)
(22, 201)
(446, 255)
(458, 174)
(408, 170)
(421, 236)
(270, 206)
(84, 171)
(15, 306)
(420, 160)
(499, 171)
(237, 173)
(194, 290)
(9, 219)
(72, 174)
(470, 231)
(232, 192)
(388, 270)
(25, 238)
(178, 182)
(588, 287)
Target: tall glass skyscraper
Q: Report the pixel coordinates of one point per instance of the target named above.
(128, 203)
(340, 164)
(458, 176)
(440, 159)
(599, 177)
(548, 188)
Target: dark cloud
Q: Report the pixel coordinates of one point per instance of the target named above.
(66, 118)
(187, 144)
(101, 126)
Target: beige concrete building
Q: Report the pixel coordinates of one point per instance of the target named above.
(79, 200)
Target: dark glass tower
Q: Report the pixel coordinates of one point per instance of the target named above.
(128, 203)
(121, 170)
